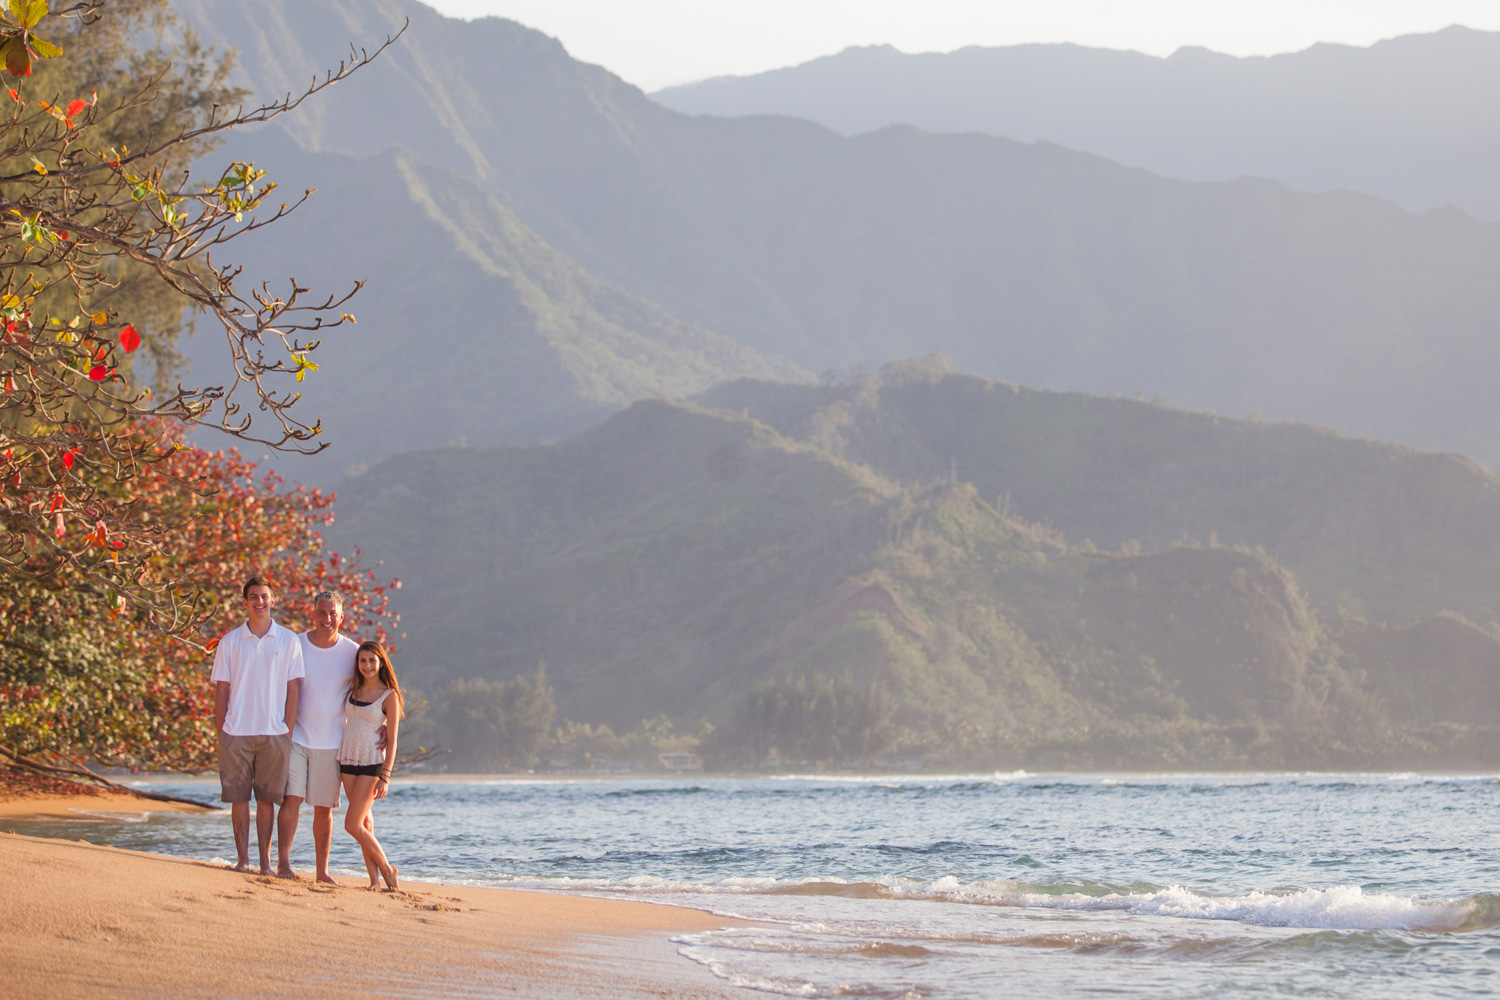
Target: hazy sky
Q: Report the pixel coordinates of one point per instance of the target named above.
(654, 43)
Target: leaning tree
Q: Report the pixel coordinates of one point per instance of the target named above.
(109, 237)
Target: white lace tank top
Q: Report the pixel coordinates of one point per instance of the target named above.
(360, 724)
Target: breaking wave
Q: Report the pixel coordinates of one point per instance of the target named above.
(1338, 908)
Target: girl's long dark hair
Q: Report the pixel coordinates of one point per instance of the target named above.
(386, 674)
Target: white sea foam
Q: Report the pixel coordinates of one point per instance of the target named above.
(903, 778)
(1338, 908)
(112, 817)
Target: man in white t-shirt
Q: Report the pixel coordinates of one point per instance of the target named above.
(257, 672)
(313, 775)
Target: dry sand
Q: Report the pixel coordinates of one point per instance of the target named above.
(79, 920)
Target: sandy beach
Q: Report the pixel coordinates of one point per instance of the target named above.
(87, 920)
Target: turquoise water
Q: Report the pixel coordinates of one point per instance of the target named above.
(979, 886)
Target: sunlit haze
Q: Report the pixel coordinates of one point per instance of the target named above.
(656, 43)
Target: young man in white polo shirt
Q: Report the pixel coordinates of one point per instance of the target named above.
(257, 673)
(313, 776)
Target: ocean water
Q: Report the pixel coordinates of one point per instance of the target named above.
(980, 886)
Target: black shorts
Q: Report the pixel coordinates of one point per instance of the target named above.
(362, 770)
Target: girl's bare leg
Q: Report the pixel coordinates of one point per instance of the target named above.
(361, 791)
(371, 867)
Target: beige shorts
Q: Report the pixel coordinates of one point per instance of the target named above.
(253, 763)
(313, 776)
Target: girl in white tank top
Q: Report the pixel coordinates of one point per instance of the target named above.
(374, 700)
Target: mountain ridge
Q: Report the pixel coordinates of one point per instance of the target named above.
(1372, 529)
(1031, 263)
(1403, 118)
(532, 346)
(695, 563)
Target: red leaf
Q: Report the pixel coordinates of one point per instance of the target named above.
(129, 339)
(14, 96)
(68, 457)
(77, 106)
(98, 373)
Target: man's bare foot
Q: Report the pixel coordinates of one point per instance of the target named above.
(390, 880)
(243, 866)
(288, 873)
(266, 871)
(329, 879)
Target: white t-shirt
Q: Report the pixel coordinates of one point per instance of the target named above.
(257, 669)
(320, 709)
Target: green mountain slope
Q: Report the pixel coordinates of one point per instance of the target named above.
(471, 327)
(1028, 262)
(1374, 530)
(697, 563)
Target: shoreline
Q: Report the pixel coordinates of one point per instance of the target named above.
(60, 800)
(166, 778)
(37, 806)
(79, 919)
(27, 796)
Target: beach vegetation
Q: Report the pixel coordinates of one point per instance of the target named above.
(81, 685)
(492, 725)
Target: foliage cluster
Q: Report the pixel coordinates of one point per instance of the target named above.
(809, 718)
(492, 725)
(82, 680)
(486, 725)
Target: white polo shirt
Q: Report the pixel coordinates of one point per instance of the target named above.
(325, 690)
(257, 670)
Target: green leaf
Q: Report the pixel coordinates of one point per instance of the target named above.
(18, 11)
(44, 48)
(35, 11)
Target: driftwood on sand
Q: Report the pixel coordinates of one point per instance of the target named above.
(82, 772)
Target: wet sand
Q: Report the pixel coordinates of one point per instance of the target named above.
(82, 920)
(16, 806)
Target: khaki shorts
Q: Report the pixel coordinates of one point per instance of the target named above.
(253, 763)
(313, 776)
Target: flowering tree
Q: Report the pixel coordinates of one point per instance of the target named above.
(79, 684)
(116, 538)
(96, 209)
